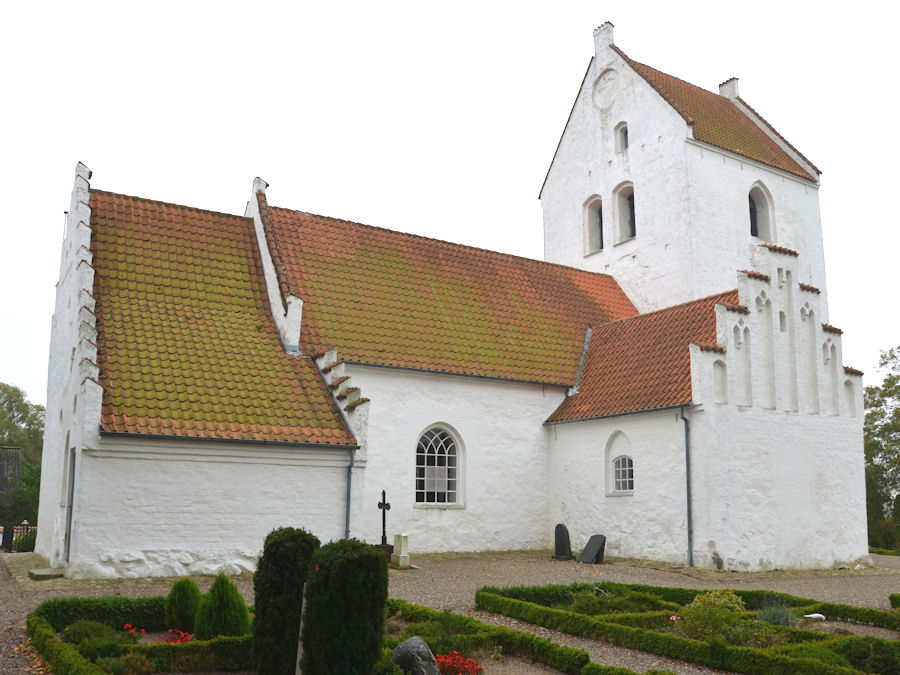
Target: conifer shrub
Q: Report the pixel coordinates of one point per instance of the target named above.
(278, 586)
(24, 543)
(343, 625)
(222, 611)
(182, 604)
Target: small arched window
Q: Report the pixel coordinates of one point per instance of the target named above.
(621, 137)
(593, 225)
(623, 474)
(625, 214)
(437, 468)
(760, 208)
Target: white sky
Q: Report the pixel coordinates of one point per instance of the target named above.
(434, 118)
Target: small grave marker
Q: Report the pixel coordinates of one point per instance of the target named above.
(563, 546)
(384, 506)
(593, 552)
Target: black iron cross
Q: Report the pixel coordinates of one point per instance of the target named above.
(385, 507)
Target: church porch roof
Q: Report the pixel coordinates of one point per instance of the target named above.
(644, 362)
(186, 343)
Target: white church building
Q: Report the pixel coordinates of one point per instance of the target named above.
(667, 377)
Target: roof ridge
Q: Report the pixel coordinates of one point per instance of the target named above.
(165, 203)
(670, 307)
(449, 243)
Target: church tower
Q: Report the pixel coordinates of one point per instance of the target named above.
(672, 189)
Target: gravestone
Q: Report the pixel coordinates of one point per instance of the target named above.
(593, 552)
(400, 556)
(563, 547)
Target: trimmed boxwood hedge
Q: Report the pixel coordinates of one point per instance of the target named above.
(471, 635)
(894, 599)
(714, 653)
(52, 616)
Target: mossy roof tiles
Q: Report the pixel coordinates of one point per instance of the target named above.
(718, 121)
(644, 362)
(187, 346)
(388, 298)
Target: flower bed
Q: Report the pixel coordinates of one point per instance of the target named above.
(792, 650)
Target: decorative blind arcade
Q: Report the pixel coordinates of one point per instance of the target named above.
(436, 468)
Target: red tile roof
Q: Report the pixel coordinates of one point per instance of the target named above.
(852, 371)
(718, 121)
(388, 298)
(644, 362)
(809, 289)
(187, 346)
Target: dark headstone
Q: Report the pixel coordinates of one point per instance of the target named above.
(593, 552)
(563, 547)
(414, 657)
(9, 533)
(387, 549)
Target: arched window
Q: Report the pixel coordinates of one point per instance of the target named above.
(621, 137)
(437, 468)
(593, 225)
(623, 474)
(619, 465)
(625, 214)
(761, 216)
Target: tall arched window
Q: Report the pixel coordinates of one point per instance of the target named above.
(621, 137)
(761, 213)
(437, 468)
(619, 466)
(593, 225)
(626, 223)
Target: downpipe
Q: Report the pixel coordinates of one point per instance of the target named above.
(349, 487)
(687, 473)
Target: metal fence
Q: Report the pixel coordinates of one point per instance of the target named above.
(10, 531)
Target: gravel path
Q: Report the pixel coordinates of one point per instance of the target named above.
(450, 581)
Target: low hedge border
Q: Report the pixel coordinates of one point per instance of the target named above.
(894, 599)
(479, 635)
(714, 653)
(52, 616)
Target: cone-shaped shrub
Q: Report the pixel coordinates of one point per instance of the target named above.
(222, 611)
(343, 623)
(182, 604)
(278, 586)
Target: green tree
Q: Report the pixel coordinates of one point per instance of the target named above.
(881, 431)
(21, 423)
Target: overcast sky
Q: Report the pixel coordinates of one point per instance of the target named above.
(434, 118)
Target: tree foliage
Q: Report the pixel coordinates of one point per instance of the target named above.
(21, 423)
(882, 446)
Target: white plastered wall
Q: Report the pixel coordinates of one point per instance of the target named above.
(73, 395)
(506, 463)
(650, 522)
(170, 507)
(778, 481)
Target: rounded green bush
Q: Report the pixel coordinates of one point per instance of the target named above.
(182, 604)
(222, 611)
(89, 630)
(278, 587)
(24, 543)
(711, 614)
(343, 625)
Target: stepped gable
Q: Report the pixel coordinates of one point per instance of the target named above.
(718, 121)
(643, 363)
(388, 298)
(186, 343)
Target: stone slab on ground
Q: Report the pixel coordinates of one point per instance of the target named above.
(45, 573)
